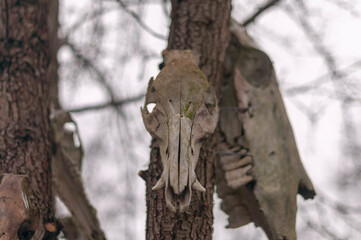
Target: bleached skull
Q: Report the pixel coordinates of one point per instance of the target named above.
(18, 218)
(185, 113)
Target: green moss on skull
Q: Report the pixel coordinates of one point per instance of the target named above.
(189, 110)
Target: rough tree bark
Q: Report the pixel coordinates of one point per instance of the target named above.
(25, 138)
(201, 26)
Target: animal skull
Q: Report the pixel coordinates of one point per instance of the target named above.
(18, 219)
(186, 112)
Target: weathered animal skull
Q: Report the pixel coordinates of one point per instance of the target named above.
(186, 112)
(18, 219)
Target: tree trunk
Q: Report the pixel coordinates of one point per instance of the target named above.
(203, 27)
(54, 44)
(25, 138)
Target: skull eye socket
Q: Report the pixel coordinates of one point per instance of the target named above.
(24, 231)
(150, 107)
(210, 108)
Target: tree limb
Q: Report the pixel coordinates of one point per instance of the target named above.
(92, 68)
(318, 81)
(315, 39)
(107, 104)
(260, 10)
(139, 21)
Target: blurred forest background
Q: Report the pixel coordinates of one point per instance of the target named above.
(110, 49)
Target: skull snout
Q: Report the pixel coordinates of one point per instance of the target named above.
(179, 158)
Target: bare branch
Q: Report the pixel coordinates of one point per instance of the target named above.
(314, 38)
(337, 205)
(140, 21)
(144, 61)
(86, 17)
(345, 6)
(260, 10)
(92, 68)
(318, 81)
(105, 105)
(317, 42)
(318, 227)
(165, 8)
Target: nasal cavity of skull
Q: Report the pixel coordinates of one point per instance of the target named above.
(272, 153)
(150, 107)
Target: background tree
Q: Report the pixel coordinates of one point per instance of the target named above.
(25, 139)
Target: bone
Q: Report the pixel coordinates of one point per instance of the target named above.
(237, 164)
(16, 207)
(169, 200)
(174, 149)
(159, 185)
(240, 182)
(198, 186)
(230, 202)
(237, 173)
(238, 217)
(183, 205)
(186, 111)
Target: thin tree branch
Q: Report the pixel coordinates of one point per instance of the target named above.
(144, 62)
(317, 227)
(87, 17)
(345, 6)
(165, 8)
(260, 10)
(105, 105)
(315, 39)
(88, 63)
(318, 81)
(140, 21)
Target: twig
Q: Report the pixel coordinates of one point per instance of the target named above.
(318, 228)
(348, 7)
(88, 63)
(352, 68)
(86, 17)
(144, 62)
(140, 22)
(165, 9)
(107, 104)
(315, 39)
(260, 10)
(336, 74)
